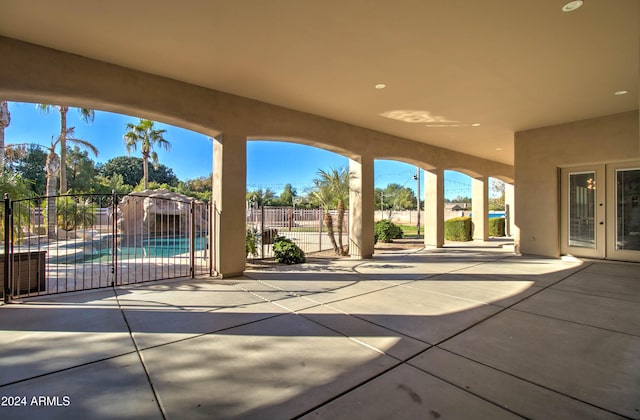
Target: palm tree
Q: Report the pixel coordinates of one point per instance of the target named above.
(52, 166)
(144, 133)
(86, 114)
(323, 197)
(5, 120)
(337, 180)
(332, 188)
(17, 188)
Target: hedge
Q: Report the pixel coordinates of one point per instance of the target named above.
(385, 231)
(496, 226)
(458, 229)
(285, 251)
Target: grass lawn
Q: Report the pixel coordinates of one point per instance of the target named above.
(411, 231)
(303, 229)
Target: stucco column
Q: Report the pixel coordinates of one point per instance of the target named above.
(480, 208)
(434, 208)
(361, 208)
(229, 195)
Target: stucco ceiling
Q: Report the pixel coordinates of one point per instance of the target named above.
(447, 64)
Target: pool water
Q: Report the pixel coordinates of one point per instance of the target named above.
(492, 215)
(149, 248)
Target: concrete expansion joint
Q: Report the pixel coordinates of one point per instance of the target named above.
(271, 285)
(54, 372)
(154, 391)
(577, 292)
(294, 294)
(575, 322)
(354, 339)
(347, 391)
(253, 293)
(507, 373)
(542, 289)
(439, 345)
(466, 389)
(275, 302)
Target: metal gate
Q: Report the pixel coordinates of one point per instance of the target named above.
(303, 226)
(89, 241)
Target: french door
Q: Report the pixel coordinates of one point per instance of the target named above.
(623, 237)
(583, 211)
(600, 209)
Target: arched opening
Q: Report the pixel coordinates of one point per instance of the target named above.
(105, 227)
(398, 187)
(288, 197)
(188, 158)
(496, 196)
(457, 194)
(448, 194)
(483, 199)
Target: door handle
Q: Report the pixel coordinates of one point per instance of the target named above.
(602, 223)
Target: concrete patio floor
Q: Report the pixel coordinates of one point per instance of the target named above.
(454, 333)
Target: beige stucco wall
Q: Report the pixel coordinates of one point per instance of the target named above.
(32, 73)
(539, 154)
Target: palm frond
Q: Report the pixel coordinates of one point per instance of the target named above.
(44, 108)
(85, 144)
(87, 115)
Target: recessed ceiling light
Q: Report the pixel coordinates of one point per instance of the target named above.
(572, 5)
(475, 125)
(498, 148)
(621, 92)
(380, 86)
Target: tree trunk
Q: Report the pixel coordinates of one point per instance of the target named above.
(63, 149)
(341, 211)
(1, 147)
(5, 120)
(52, 173)
(328, 222)
(145, 172)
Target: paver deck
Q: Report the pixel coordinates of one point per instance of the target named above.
(461, 333)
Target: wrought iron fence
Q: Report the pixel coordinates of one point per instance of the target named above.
(305, 227)
(88, 241)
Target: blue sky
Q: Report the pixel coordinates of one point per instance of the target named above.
(269, 164)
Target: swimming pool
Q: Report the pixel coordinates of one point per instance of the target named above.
(492, 214)
(148, 248)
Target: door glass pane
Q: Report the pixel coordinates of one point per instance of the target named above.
(582, 208)
(628, 209)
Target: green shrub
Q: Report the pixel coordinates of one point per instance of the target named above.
(496, 226)
(385, 231)
(73, 214)
(251, 242)
(39, 229)
(458, 229)
(285, 251)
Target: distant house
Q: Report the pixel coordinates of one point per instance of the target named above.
(456, 210)
(456, 206)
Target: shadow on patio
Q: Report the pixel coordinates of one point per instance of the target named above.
(474, 333)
